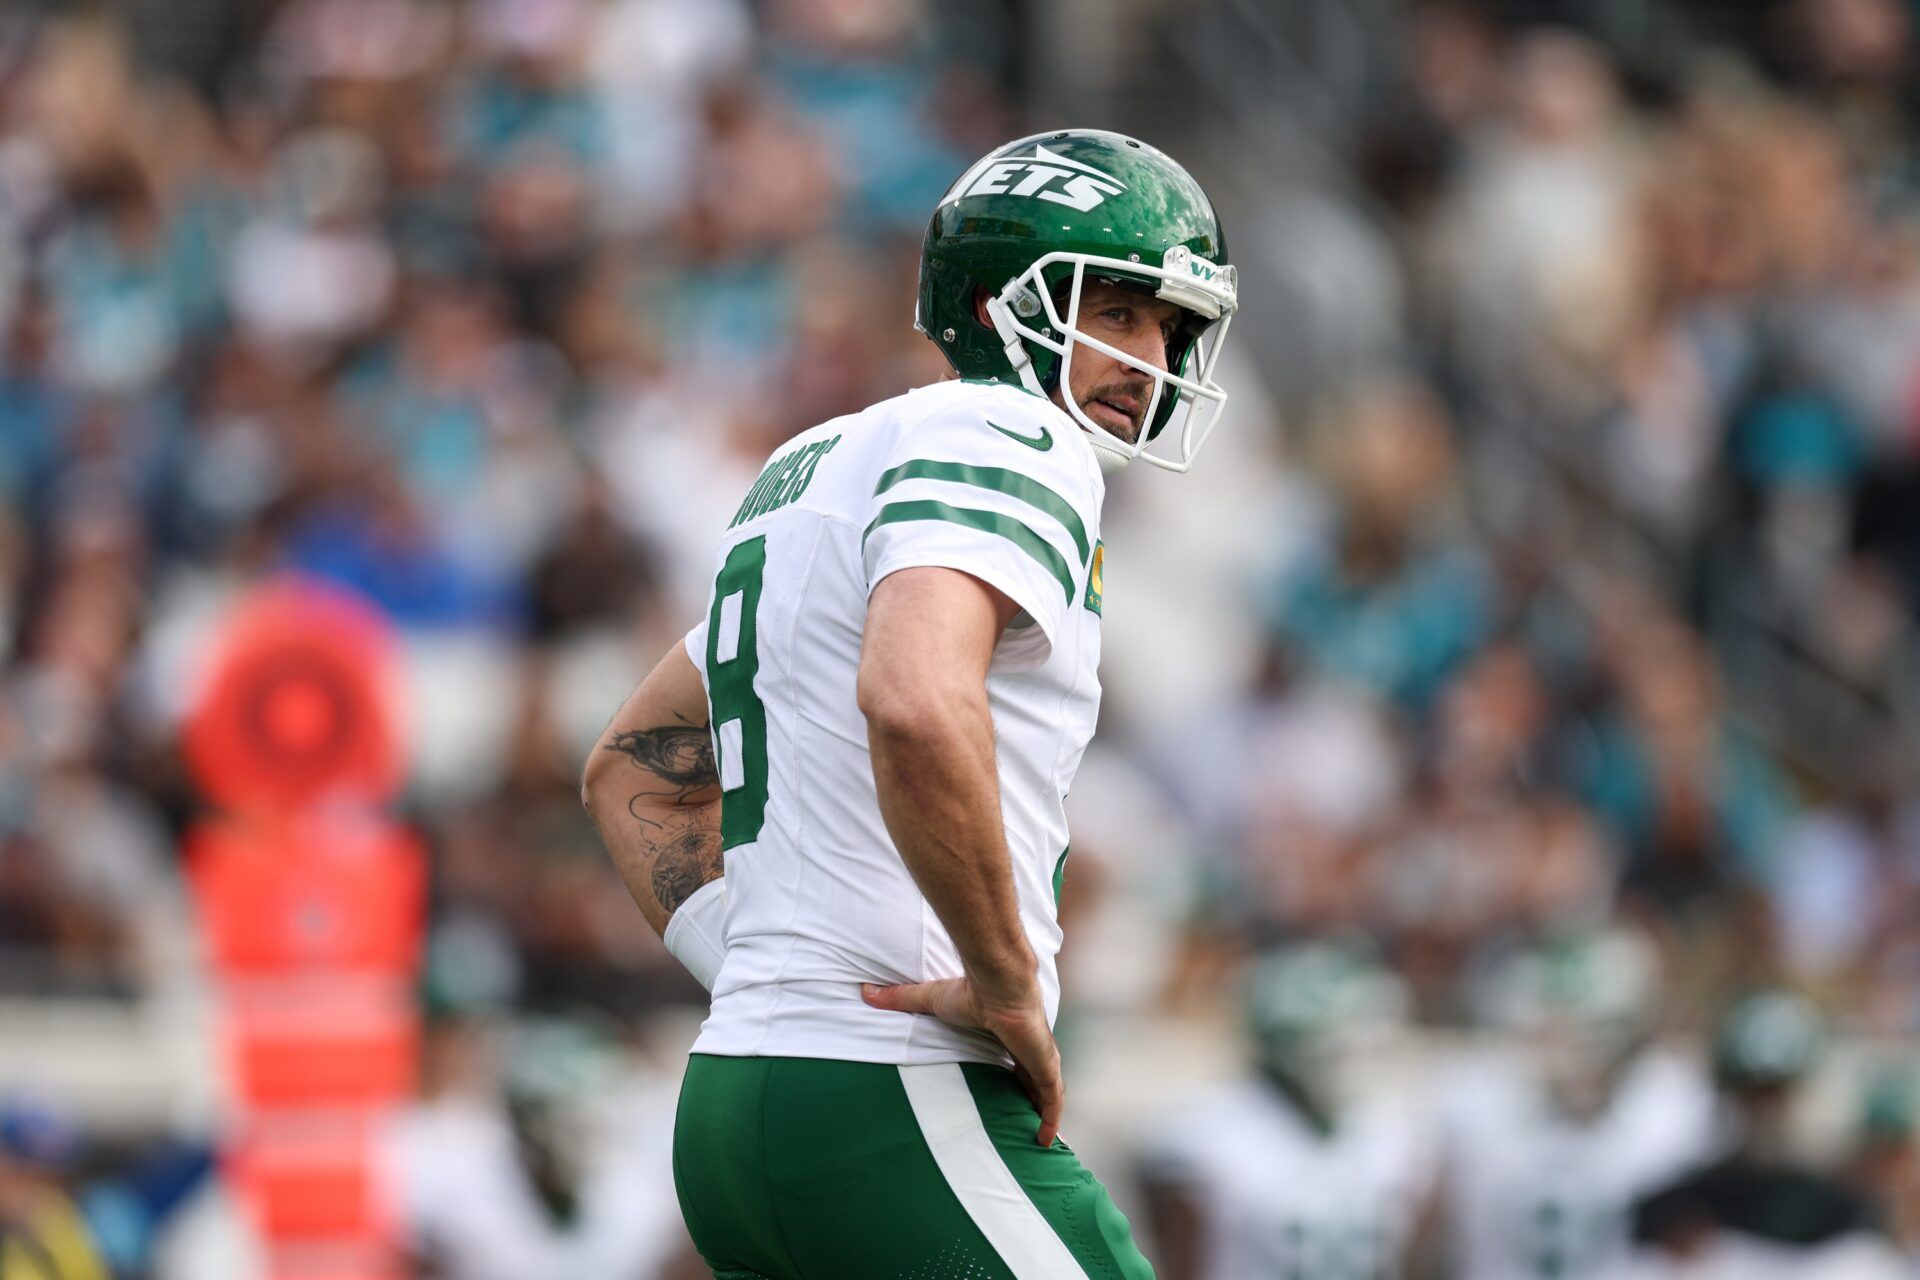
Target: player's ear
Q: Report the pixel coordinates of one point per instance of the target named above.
(980, 296)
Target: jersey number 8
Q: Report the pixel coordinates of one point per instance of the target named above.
(739, 719)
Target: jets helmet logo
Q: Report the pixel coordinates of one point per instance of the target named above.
(1044, 175)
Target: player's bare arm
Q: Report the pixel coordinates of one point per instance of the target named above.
(929, 639)
(654, 793)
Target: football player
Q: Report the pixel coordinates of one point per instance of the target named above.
(1547, 1149)
(1296, 1172)
(1757, 1210)
(873, 730)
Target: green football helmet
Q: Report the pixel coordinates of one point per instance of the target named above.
(1766, 1040)
(1317, 1012)
(1601, 986)
(1028, 223)
(1580, 1006)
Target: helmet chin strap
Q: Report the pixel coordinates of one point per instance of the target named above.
(1014, 346)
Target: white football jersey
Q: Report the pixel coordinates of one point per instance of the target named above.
(451, 1172)
(978, 477)
(1280, 1201)
(1532, 1195)
(1727, 1255)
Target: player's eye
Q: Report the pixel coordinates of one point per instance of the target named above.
(1118, 315)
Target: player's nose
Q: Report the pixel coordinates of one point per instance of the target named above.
(1149, 345)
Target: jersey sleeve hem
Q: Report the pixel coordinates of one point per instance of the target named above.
(695, 643)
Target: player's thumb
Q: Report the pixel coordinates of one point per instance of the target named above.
(912, 997)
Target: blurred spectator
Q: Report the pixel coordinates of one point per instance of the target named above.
(1695, 804)
(1534, 241)
(653, 62)
(1394, 599)
(56, 1224)
(1849, 880)
(863, 71)
(1488, 854)
(311, 269)
(526, 89)
(1287, 785)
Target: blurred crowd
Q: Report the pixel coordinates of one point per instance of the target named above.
(483, 311)
(1597, 596)
(1580, 591)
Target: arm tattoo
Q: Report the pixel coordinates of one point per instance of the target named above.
(684, 863)
(674, 848)
(678, 754)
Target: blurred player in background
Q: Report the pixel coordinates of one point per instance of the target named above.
(535, 1150)
(1546, 1153)
(877, 725)
(1758, 1209)
(1295, 1172)
(1885, 1162)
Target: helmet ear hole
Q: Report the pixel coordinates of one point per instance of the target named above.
(981, 296)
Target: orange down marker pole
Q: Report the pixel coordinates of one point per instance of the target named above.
(311, 906)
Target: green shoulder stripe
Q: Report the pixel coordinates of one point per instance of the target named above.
(1025, 488)
(988, 521)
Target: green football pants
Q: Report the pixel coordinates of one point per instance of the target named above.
(809, 1169)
